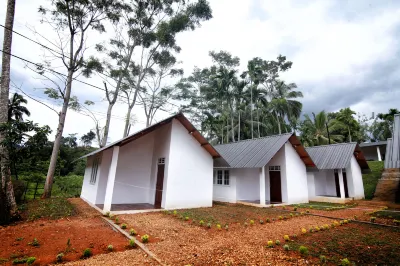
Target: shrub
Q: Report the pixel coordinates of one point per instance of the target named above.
(251, 222)
(311, 207)
(59, 257)
(322, 259)
(295, 208)
(110, 248)
(187, 218)
(20, 261)
(303, 250)
(261, 221)
(372, 219)
(208, 225)
(87, 253)
(291, 215)
(280, 218)
(111, 216)
(116, 220)
(344, 262)
(123, 226)
(304, 230)
(30, 260)
(286, 247)
(175, 212)
(218, 226)
(277, 242)
(267, 220)
(145, 238)
(286, 238)
(270, 244)
(201, 223)
(132, 232)
(34, 243)
(132, 243)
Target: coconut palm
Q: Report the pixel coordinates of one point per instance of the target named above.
(16, 110)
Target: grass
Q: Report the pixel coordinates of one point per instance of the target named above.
(323, 205)
(389, 214)
(354, 241)
(371, 180)
(53, 208)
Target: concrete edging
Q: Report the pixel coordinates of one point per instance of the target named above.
(139, 244)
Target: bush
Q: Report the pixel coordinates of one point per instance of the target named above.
(87, 253)
(295, 209)
(280, 218)
(267, 220)
(132, 243)
(277, 242)
(132, 232)
(303, 250)
(34, 243)
(201, 223)
(30, 260)
(187, 218)
(251, 222)
(110, 248)
(145, 238)
(344, 262)
(123, 226)
(116, 220)
(59, 257)
(286, 238)
(286, 247)
(261, 221)
(291, 215)
(346, 221)
(317, 228)
(218, 226)
(372, 219)
(303, 230)
(19, 189)
(322, 259)
(270, 244)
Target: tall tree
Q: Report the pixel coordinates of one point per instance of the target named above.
(8, 207)
(15, 108)
(344, 123)
(72, 20)
(88, 138)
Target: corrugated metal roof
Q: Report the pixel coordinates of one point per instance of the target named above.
(252, 153)
(368, 144)
(334, 156)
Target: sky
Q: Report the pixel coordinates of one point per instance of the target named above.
(344, 54)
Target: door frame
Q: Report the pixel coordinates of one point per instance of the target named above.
(275, 169)
(159, 186)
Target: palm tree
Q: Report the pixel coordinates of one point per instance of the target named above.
(315, 131)
(16, 110)
(345, 121)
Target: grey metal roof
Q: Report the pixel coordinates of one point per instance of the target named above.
(252, 153)
(332, 156)
(369, 144)
(392, 157)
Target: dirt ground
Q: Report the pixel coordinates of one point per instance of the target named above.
(85, 229)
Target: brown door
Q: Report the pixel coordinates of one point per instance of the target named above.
(275, 186)
(337, 184)
(346, 190)
(159, 185)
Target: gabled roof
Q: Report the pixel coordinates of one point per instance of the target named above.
(181, 118)
(255, 153)
(336, 156)
(370, 144)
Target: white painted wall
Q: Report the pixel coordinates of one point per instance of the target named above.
(102, 176)
(296, 176)
(330, 185)
(247, 183)
(356, 175)
(278, 159)
(226, 193)
(132, 181)
(89, 191)
(311, 185)
(190, 172)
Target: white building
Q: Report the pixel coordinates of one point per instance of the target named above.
(339, 178)
(374, 151)
(167, 165)
(262, 171)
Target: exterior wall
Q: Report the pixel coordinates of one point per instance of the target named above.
(358, 185)
(311, 185)
(324, 181)
(278, 159)
(296, 176)
(226, 193)
(189, 181)
(132, 180)
(102, 177)
(371, 153)
(89, 191)
(247, 183)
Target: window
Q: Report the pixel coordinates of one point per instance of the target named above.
(226, 177)
(95, 166)
(275, 168)
(161, 160)
(219, 177)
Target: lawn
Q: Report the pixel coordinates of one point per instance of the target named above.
(326, 206)
(371, 180)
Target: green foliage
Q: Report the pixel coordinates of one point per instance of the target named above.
(371, 180)
(344, 262)
(30, 260)
(132, 232)
(251, 222)
(132, 243)
(277, 242)
(186, 218)
(286, 238)
(286, 247)
(87, 253)
(59, 257)
(53, 208)
(267, 220)
(116, 220)
(372, 219)
(123, 226)
(261, 221)
(208, 225)
(201, 223)
(270, 244)
(218, 226)
(303, 250)
(145, 238)
(322, 259)
(110, 248)
(34, 243)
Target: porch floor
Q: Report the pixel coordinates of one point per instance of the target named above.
(130, 207)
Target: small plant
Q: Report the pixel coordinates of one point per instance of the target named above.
(19, 239)
(336, 223)
(307, 211)
(187, 218)
(34, 243)
(272, 205)
(268, 221)
(251, 222)
(132, 243)
(261, 221)
(110, 248)
(372, 219)
(201, 223)
(286, 247)
(295, 209)
(123, 226)
(317, 228)
(107, 214)
(175, 212)
(181, 217)
(111, 216)
(87, 253)
(286, 238)
(59, 257)
(145, 238)
(341, 222)
(355, 217)
(277, 242)
(68, 245)
(346, 221)
(396, 222)
(132, 232)
(291, 215)
(303, 250)
(20, 261)
(208, 225)
(116, 220)
(311, 207)
(322, 259)
(311, 230)
(280, 218)
(226, 227)
(283, 208)
(344, 262)
(30, 260)
(303, 230)
(218, 226)
(270, 244)
(285, 217)
(273, 219)
(294, 236)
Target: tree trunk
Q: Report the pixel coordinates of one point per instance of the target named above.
(107, 126)
(258, 122)
(57, 142)
(8, 207)
(279, 123)
(349, 133)
(128, 116)
(239, 127)
(251, 110)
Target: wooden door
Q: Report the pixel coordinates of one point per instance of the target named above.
(159, 185)
(337, 184)
(346, 190)
(275, 186)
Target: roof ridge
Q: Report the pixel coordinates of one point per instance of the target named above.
(335, 144)
(254, 139)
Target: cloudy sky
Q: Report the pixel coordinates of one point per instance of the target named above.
(344, 53)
